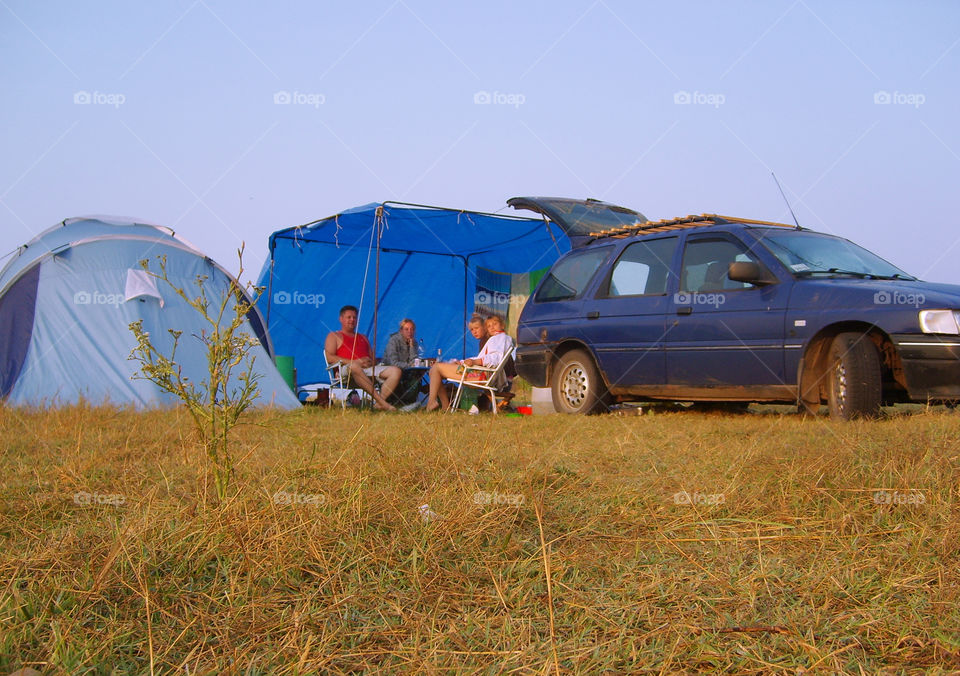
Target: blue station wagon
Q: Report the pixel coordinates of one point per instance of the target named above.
(719, 309)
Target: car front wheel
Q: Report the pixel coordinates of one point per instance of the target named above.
(577, 385)
(854, 384)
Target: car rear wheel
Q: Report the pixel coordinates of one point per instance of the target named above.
(577, 385)
(854, 385)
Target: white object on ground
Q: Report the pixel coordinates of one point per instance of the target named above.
(426, 514)
(541, 400)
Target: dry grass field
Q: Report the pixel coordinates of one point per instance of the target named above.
(674, 542)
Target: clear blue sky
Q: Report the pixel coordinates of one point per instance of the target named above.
(587, 99)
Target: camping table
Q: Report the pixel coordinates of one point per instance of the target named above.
(421, 373)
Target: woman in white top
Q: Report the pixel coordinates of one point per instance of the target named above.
(497, 345)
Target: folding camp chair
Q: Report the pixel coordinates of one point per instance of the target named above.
(492, 379)
(340, 379)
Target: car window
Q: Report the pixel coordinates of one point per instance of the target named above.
(707, 261)
(570, 276)
(643, 268)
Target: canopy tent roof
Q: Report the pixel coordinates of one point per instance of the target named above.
(429, 262)
(503, 242)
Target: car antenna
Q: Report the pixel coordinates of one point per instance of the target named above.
(786, 200)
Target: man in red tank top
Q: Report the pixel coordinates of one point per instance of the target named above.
(352, 350)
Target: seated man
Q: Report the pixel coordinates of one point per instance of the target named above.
(497, 345)
(352, 351)
(402, 346)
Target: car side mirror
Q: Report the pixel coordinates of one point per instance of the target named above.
(750, 273)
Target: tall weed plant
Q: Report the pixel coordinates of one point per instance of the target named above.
(216, 403)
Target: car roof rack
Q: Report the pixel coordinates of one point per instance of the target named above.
(691, 221)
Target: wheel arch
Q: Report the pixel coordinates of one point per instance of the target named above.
(813, 367)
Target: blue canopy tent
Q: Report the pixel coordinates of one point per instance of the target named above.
(68, 296)
(395, 260)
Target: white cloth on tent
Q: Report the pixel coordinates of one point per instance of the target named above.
(141, 283)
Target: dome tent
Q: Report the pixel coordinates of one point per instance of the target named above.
(68, 296)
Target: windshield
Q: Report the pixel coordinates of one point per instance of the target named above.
(808, 253)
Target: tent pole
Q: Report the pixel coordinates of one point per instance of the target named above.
(378, 221)
(466, 310)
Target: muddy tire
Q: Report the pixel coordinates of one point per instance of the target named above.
(578, 386)
(854, 386)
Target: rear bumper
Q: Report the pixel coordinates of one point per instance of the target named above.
(531, 362)
(931, 366)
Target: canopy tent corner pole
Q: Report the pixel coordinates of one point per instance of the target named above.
(466, 296)
(378, 224)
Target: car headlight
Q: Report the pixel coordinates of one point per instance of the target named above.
(940, 321)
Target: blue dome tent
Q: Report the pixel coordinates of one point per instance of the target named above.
(395, 260)
(68, 296)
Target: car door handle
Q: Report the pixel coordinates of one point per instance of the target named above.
(685, 310)
(593, 315)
